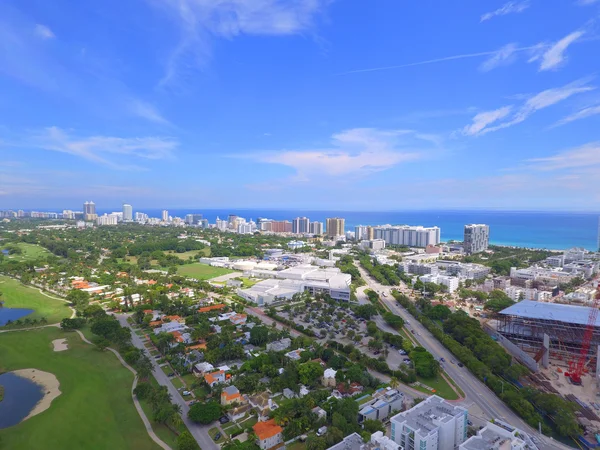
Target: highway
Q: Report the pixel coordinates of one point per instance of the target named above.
(475, 391)
(200, 432)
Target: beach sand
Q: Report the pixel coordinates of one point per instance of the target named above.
(60, 345)
(49, 383)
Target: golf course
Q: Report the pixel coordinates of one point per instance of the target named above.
(94, 410)
(17, 295)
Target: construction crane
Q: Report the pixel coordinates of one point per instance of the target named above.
(577, 367)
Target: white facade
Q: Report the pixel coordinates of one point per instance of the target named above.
(499, 436)
(476, 238)
(407, 235)
(300, 225)
(433, 424)
(450, 282)
(361, 232)
(316, 228)
(127, 212)
(107, 219)
(165, 215)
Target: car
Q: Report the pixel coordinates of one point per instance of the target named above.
(402, 352)
(186, 393)
(461, 364)
(376, 352)
(223, 419)
(158, 357)
(218, 436)
(442, 360)
(171, 374)
(469, 423)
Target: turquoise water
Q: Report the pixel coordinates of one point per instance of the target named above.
(20, 397)
(13, 314)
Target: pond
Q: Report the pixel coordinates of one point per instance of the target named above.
(20, 397)
(13, 314)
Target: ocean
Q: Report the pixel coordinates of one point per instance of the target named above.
(551, 230)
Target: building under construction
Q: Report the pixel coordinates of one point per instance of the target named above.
(525, 324)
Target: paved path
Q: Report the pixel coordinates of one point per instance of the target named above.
(227, 276)
(140, 411)
(200, 432)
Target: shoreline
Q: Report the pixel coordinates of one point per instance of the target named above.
(49, 384)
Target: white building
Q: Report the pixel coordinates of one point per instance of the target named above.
(127, 213)
(499, 436)
(476, 238)
(246, 228)
(165, 215)
(316, 228)
(374, 245)
(407, 235)
(433, 424)
(222, 225)
(107, 219)
(450, 282)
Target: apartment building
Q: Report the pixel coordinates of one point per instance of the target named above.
(433, 424)
(335, 226)
(301, 225)
(411, 236)
(316, 228)
(476, 238)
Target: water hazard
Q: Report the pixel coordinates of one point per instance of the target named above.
(12, 314)
(20, 397)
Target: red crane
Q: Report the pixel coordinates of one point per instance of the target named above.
(577, 367)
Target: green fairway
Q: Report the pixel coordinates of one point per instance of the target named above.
(95, 410)
(202, 271)
(193, 253)
(31, 252)
(17, 295)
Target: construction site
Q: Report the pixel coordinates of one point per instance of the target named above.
(560, 344)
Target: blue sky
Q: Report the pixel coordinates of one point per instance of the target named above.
(308, 104)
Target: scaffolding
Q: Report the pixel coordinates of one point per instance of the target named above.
(565, 337)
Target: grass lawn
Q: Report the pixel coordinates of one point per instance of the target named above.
(17, 295)
(31, 252)
(202, 271)
(368, 398)
(296, 446)
(247, 282)
(213, 432)
(193, 253)
(441, 386)
(95, 410)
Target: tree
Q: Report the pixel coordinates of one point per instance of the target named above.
(204, 413)
(185, 441)
(79, 299)
(101, 343)
(393, 320)
(143, 390)
(498, 301)
(106, 327)
(424, 363)
(259, 335)
(93, 311)
(439, 312)
(72, 324)
(310, 372)
(315, 443)
(373, 426)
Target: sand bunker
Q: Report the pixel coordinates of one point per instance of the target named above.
(60, 345)
(49, 383)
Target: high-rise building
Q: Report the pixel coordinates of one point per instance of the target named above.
(335, 226)
(477, 238)
(301, 225)
(107, 219)
(141, 217)
(407, 235)
(127, 213)
(165, 215)
(68, 214)
(433, 424)
(204, 223)
(370, 233)
(281, 226)
(316, 228)
(89, 211)
(193, 219)
(361, 232)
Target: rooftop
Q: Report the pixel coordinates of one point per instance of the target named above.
(529, 309)
(429, 414)
(266, 430)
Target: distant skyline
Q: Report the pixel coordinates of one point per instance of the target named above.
(300, 105)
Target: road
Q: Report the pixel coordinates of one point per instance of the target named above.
(475, 391)
(200, 432)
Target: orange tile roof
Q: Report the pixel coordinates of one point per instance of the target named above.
(151, 282)
(231, 397)
(197, 347)
(211, 308)
(177, 335)
(171, 318)
(266, 430)
(156, 323)
(148, 311)
(210, 377)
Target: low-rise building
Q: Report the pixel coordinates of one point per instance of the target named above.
(499, 436)
(214, 378)
(378, 441)
(230, 395)
(262, 404)
(328, 379)
(268, 434)
(295, 354)
(279, 346)
(450, 282)
(433, 424)
(384, 402)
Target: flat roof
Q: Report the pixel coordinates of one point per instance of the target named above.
(530, 309)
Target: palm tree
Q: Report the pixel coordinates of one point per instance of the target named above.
(43, 321)
(394, 383)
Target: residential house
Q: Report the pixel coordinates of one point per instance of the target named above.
(328, 379)
(295, 354)
(279, 346)
(217, 377)
(262, 404)
(384, 402)
(268, 434)
(346, 390)
(288, 393)
(238, 319)
(320, 412)
(230, 395)
(170, 327)
(202, 368)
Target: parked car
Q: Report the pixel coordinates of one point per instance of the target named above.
(442, 360)
(171, 374)
(461, 364)
(186, 393)
(224, 419)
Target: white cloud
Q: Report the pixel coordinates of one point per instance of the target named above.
(98, 148)
(502, 57)
(554, 56)
(581, 114)
(199, 20)
(43, 32)
(357, 152)
(508, 8)
(578, 158)
(482, 120)
(539, 101)
(147, 111)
